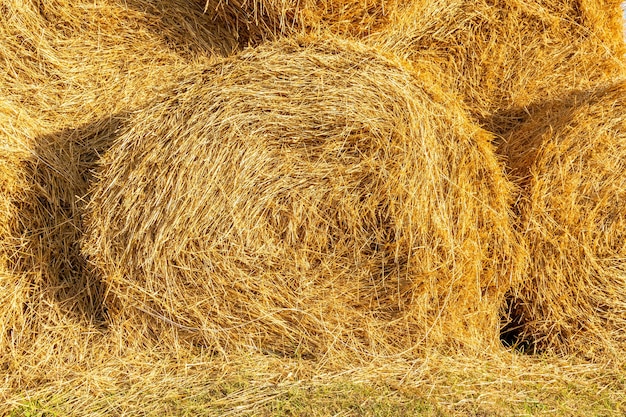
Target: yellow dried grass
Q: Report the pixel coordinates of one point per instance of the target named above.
(73, 69)
(310, 197)
(503, 56)
(70, 72)
(255, 20)
(570, 160)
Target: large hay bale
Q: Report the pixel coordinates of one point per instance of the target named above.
(306, 197)
(503, 56)
(261, 19)
(570, 161)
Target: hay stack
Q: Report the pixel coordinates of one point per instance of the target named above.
(571, 162)
(261, 19)
(504, 56)
(305, 197)
(70, 72)
(72, 62)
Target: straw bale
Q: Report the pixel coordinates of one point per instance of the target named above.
(72, 62)
(71, 70)
(570, 160)
(307, 197)
(503, 56)
(255, 20)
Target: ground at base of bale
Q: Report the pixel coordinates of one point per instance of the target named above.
(151, 382)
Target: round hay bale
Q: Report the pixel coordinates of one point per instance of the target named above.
(571, 164)
(504, 57)
(261, 19)
(305, 197)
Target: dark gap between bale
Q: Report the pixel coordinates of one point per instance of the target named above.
(512, 326)
(308, 197)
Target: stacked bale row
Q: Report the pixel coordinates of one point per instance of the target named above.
(313, 195)
(502, 56)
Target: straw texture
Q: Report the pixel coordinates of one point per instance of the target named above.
(306, 197)
(314, 198)
(570, 160)
(256, 20)
(504, 56)
(71, 70)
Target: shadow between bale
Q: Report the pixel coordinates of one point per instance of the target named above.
(42, 243)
